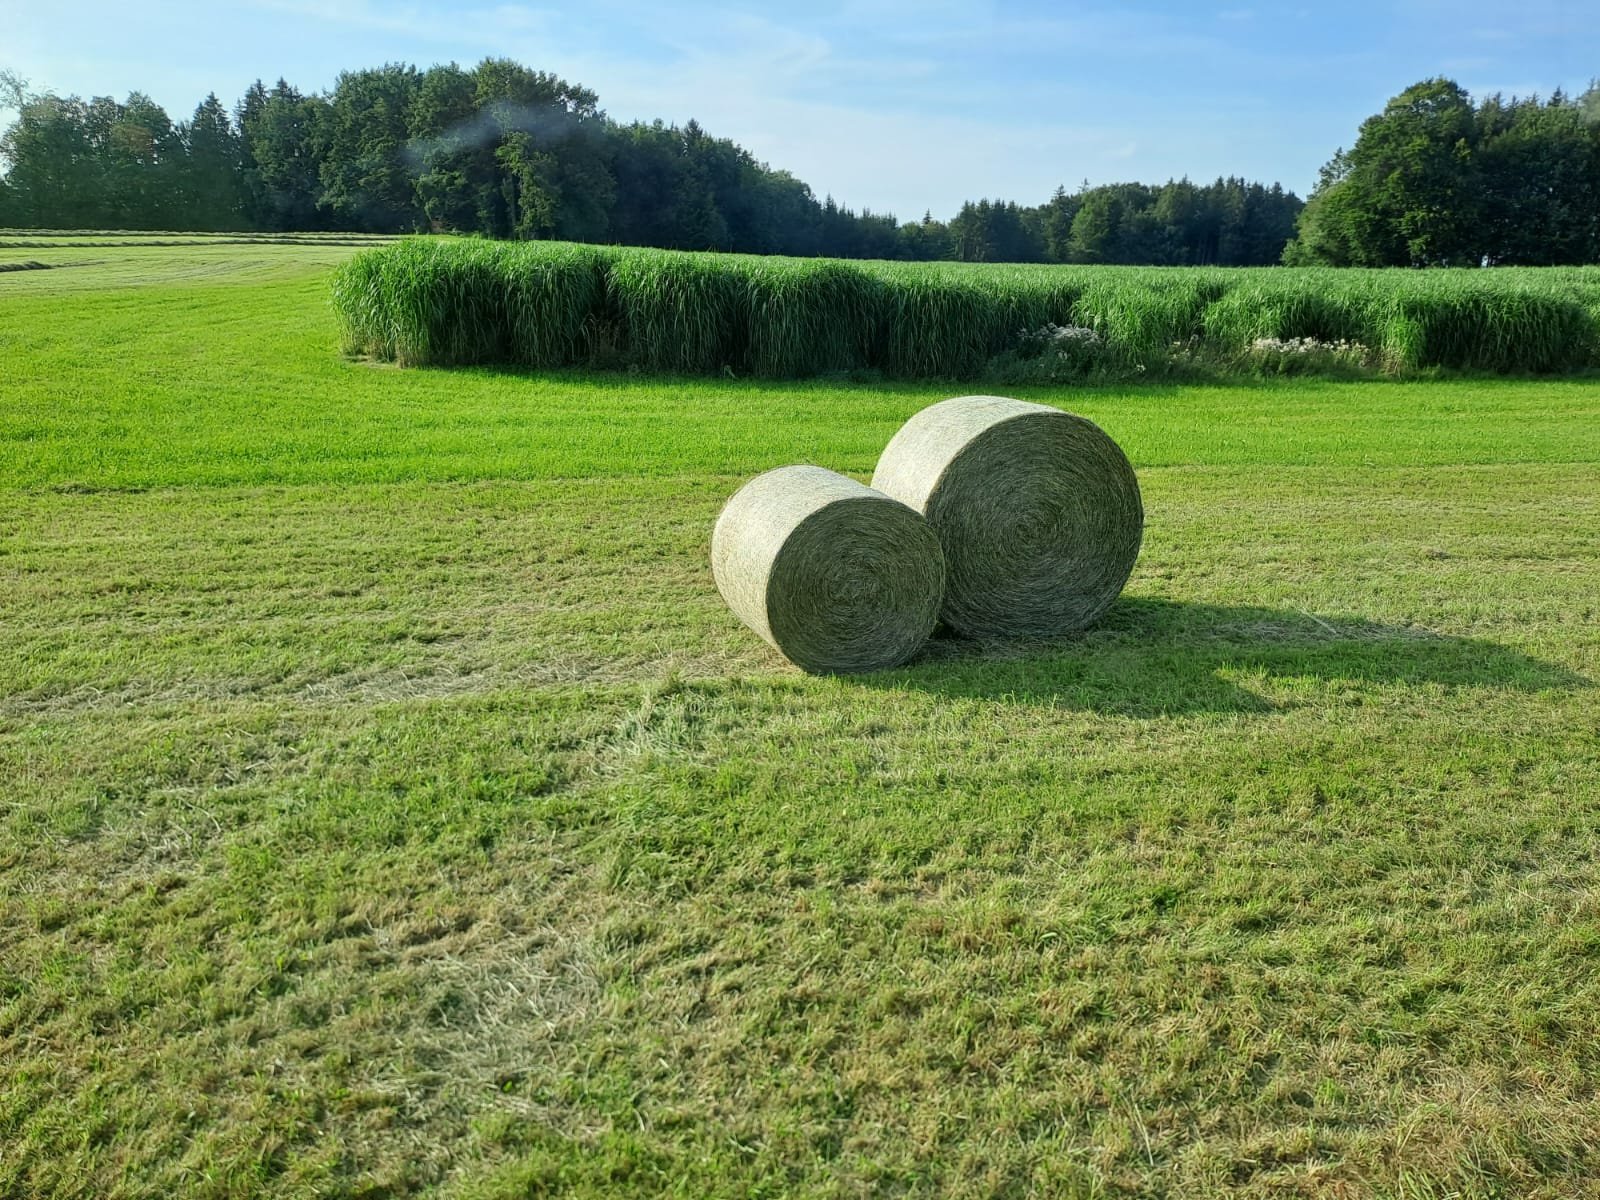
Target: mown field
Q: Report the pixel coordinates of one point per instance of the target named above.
(389, 805)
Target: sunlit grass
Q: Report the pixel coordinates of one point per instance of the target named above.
(389, 805)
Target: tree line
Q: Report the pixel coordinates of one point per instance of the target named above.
(509, 152)
(1436, 180)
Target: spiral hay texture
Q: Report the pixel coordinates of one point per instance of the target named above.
(1037, 510)
(838, 577)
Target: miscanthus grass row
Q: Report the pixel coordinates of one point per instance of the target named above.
(435, 301)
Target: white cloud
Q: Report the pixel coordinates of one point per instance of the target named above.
(897, 105)
(473, 26)
(889, 162)
(896, 119)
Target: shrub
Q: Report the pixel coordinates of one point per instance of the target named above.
(541, 304)
(810, 317)
(1308, 356)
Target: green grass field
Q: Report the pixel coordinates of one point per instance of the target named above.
(389, 805)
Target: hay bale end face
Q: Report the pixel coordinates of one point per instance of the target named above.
(1038, 512)
(838, 577)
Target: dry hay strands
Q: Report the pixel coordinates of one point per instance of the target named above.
(838, 577)
(1038, 512)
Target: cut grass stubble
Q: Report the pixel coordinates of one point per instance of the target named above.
(389, 805)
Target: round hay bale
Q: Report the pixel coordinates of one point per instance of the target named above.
(838, 577)
(1038, 512)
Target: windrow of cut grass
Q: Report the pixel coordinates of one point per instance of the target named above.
(443, 302)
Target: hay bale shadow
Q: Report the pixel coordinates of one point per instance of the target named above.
(1150, 657)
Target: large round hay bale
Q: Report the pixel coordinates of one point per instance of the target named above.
(837, 576)
(1037, 510)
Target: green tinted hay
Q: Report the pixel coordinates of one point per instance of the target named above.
(836, 576)
(1037, 510)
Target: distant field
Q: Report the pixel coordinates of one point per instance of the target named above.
(388, 803)
(76, 263)
(32, 239)
(189, 235)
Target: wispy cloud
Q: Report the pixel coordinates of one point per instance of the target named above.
(468, 26)
(880, 158)
(1107, 32)
(893, 104)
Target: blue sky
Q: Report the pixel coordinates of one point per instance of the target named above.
(893, 105)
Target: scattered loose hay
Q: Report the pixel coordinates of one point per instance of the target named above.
(837, 576)
(1038, 512)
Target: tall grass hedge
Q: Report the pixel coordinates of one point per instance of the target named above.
(447, 301)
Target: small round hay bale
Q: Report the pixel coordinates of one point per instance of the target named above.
(1038, 512)
(838, 577)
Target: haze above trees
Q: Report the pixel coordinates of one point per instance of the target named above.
(508, 152)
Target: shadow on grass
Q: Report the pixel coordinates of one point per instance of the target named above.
(1160, 657)
(621, 378)
(625, 379)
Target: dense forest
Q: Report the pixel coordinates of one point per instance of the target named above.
(508, 152)
(1435, 180)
